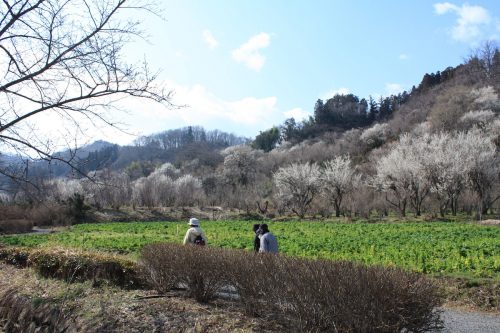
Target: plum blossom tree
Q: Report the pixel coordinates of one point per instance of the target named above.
(376, 135)
(188, 190)
(482, 164)
(297, 185)
(444, 165)
(401, 174)
(338, 179)
(108, 188)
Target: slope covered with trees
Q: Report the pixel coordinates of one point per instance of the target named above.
(432, 150)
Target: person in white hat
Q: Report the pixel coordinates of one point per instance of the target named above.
(194, 234)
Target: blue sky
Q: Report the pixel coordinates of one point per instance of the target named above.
(244, 66)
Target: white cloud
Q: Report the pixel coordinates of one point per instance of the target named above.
(297, 113)
(470, 20)
(403, 56)
(442, 8)
(250, 110)
(340, 91)
(249, 53)
(209, 39)
(393, 88)
(244, 116)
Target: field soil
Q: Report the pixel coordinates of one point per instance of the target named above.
(82, 307)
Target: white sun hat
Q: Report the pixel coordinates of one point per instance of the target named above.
(194, 222)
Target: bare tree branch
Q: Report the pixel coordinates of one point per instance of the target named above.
(66, 56)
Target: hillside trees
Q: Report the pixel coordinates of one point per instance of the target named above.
(267, 140)
(64, 59)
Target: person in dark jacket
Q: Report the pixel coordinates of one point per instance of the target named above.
(268, 242)
(256, 240)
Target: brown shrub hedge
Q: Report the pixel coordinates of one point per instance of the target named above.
(72, 265)
(14, 256)
(15, 226)
(314, 295)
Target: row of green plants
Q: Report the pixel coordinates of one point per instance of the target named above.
(307, 295)
(427, 247)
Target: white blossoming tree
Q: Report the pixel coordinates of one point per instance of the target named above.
(339, 179)
(401, 174)
(297, 185)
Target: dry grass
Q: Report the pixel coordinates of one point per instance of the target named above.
(490, 222)
(471, 294)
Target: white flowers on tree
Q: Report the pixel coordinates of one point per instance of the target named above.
(240, 165)
(441, 163)
(338, 179)
(159, 189)
(376, 135)
(297, 186)
(401, 174)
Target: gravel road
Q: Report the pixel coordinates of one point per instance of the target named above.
(456, 321)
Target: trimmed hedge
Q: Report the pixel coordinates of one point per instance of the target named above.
(14, 256)
(311, 295)
(71, 265)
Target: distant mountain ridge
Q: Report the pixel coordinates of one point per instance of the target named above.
(175, 146)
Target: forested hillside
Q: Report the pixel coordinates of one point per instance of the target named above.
(434, 149)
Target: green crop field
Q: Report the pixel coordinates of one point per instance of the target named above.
(436, 247)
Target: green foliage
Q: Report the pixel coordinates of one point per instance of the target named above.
(267, 140)
(77, 208)
(436, 248)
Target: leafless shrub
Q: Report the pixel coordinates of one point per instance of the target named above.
(202, 270)
(255, 278)
(15, 226)
(12, 212)
(346, 297)
(312, 295)
(49, 214)
(161, 271)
